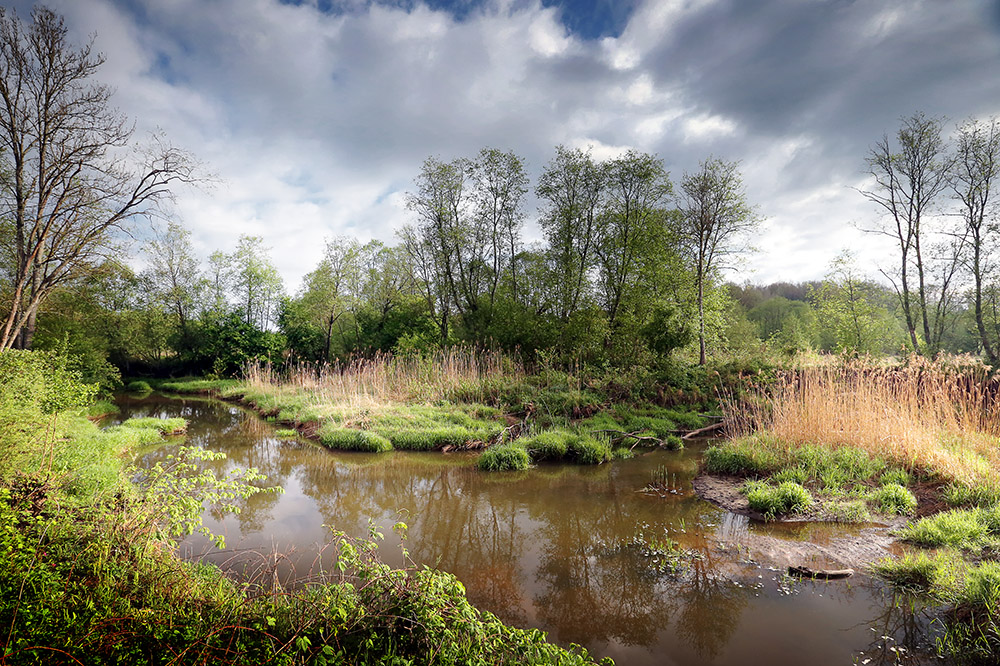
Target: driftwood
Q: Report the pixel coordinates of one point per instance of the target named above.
(707, 429)
(821, 574)
(654, 441)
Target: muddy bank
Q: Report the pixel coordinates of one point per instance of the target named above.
(854, 546)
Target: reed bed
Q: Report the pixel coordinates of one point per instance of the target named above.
(366, 382)
(936, 418)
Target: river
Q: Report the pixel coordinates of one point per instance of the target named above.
(558, 547)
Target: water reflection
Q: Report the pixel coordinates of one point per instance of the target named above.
(540, 548)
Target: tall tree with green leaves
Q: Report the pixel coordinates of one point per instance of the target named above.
(715, 221)
(631, 230)
(255, 283)
(176, 275)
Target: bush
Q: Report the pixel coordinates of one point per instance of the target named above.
(504, 458)
(350, 439)
(894, 498)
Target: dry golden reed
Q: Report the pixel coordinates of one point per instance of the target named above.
(386, 378)
(937, 417)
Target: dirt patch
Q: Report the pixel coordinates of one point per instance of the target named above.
(847, 545)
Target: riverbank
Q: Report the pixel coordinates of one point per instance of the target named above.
(89, 574)
(914, 448)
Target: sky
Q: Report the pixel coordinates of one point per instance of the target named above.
(314, 116)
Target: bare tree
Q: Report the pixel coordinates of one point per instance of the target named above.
(68, 184)
(909, 175)
(975, 173)
(715, 219)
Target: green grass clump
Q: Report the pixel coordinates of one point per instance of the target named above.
(172, 426)
(286, 433)
(958, 528)
(622, 453)
(430, 438)
(504, 458)
(138, 386)
(896, 475)
(587, 450)
(351, 439)
(852, 511)
(741, 458)
(788, 497)
(673, 442)
(894, 498)
(938, 574)
(196, 385)
(100, 408)
(982, 495)
(549, 445)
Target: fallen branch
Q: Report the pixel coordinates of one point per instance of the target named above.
(820, 574)
(707, 429)
(654, 441)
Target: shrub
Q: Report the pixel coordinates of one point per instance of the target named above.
(350, 439)
(504, 458)
(894, 498)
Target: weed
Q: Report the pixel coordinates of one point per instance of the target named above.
(894, 498)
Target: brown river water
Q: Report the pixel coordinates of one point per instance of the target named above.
(558, 547)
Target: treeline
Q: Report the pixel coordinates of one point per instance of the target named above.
(626, 274)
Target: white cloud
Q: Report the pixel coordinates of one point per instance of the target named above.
(316, 123)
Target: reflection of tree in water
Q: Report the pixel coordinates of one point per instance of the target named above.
(907, 622)
(464, 530)
(710, 608)
(592, 593)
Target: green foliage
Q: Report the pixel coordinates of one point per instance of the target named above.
(587, 450)
(548, 445)
(350, 439)
(138, 386)
(171, 426)
(851, 511)
(969, 529)
(771, 501)
(741, 458)
(894, 498)
(286, 433)
(504, 458)
(673, 442)
(938, 574)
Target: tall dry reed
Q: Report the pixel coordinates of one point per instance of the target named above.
(386, 378)
(926, 415)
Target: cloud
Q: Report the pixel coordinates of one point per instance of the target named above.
(317, 121)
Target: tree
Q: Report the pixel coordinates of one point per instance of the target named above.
(631, 229)
(715, 218)
(908, 178)
(176, 274)
(255, 282)
(572, 186)
(975, 173)
(66, 188)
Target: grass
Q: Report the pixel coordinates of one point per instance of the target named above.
(894, 498)
(171, 426)
(138, 386)
(504, 458)
(967, 529)
(929, 419)
(771, 501)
